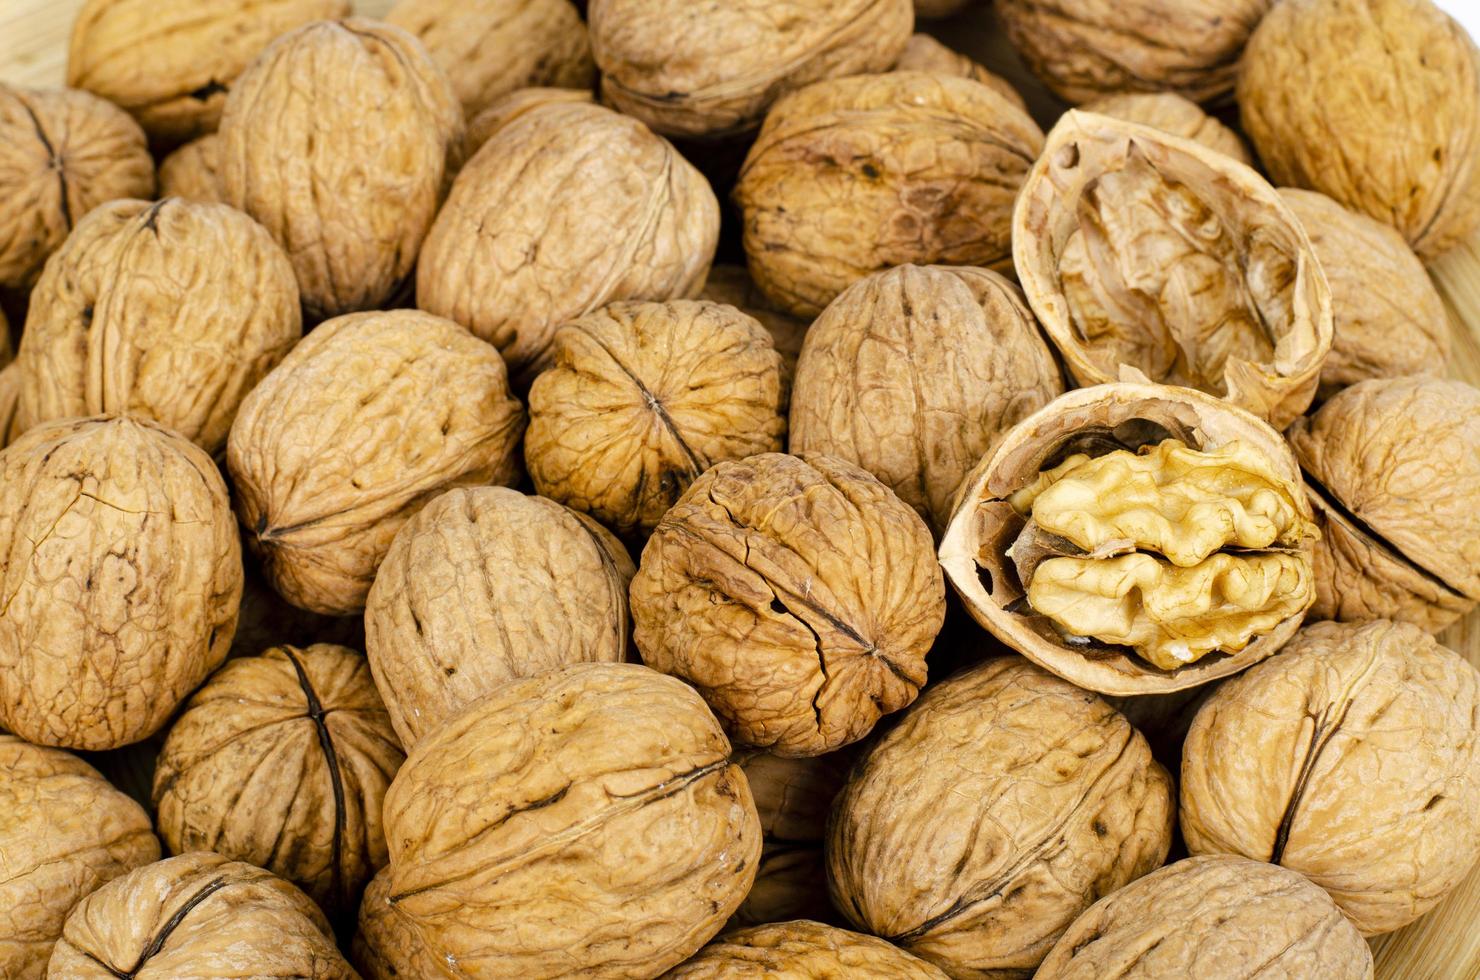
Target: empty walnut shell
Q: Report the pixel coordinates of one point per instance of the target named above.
(1393, 469)
(1171, 113)
(121, 571)
(1003, 804)
(799, 595)
(925, 53)
(64, 832)
(62, 153)
(732, 286)
(587, 820)
(801, 949)
(1212, 916)
(1375, 103)
(643, 397)
(193, 171)
(485, 585)
(1292, 763)
(370, 416)
(854, 175)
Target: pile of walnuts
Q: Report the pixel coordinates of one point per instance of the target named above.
(456, 564)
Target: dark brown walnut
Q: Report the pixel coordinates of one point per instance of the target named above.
(566, 208)
(63, 833)
(170, 311)
(854, 175)
(801, 950)
(925, 53)
(170, 63)
(485, 585)
(1136, 539)
(507, 108)
(1353, 758)
(641, 398)
(913, 373)
(1393, 469)
(120, 571)
(732, 286)
(282, 761)
(1172, 113)
(200, 916)
(267, 620)
(1375, 103)
(366, 420)
(1003, 804)
(62, 153)
(798, 594)
(1212, 916)
(1147, 256)
(193, 171)
(711, 70)
(586, 821)
(350, 203)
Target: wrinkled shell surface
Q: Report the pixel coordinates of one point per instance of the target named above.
(387, 945)
(925, 53)
(507, 108)
(1352, 758)
(801, 950)
(193, 171)
(732, 286)
(1171, 113)
(1003, 804)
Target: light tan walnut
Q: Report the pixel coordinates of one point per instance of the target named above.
(507, 108)
(732, 286)
(193, 171)
(1172, 113)
(925, 53)
(10, 401)
(387, 945)
(802, 950)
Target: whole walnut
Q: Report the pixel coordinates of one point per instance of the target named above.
(712, 69)
(1393, 469)
(505, 109)
(367, 419)
(10, 400)
(200, 916)
(485, 585)
(1086, 48)
(801, 949)
(1212, 916)
(122, 572)
(349, 202)
(587, 820)
(1004, 803)
(1294, 763)
(565, 209)
(925, 53)
(283, 761)
(63, 832)
(914, 372)
(643, 397)
(62, 153)
(170, 63)
(732, 286)
(854, 175)
(387, 944)
(1147, 256)
(170, 311)
(798, 594)
(193, 171)
(1172, 113)
(1375, 103)
(267, 620)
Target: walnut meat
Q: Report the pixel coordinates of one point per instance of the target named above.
(799, 595)
(854, 175)
(1003, 804)
(801, 950)
(1171, 113)
(643, 397)
(193, 171)
(587, 820)
(485, 585)
(912, 373)
(732, 286)
(925, 53)
(1352, 758)
(121, 571)
(350, 203)
(1148, 256)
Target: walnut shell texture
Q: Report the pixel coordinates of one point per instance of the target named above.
(732, 286)
(801, 950)
(10, 402)
(925, 53)
(505, 109)
(387, 946)
(193, 171)
(1172, 113)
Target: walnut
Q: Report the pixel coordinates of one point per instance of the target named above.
(170, 63)
(583, 821)
(912, 373)
(349, 203)
(643, 397)
(63, 832)
(1375, 103)
(633, 221)
(801, 949)
(121, 572)
(799, 595)
(485, 585)
(1393, 469)
(1146, 256)
(202, 916)
(732, 286)
(1212, 916)
(1004, 803)
(925, 53)
(10, 399)
(854, 175)
(367, 419)
(1171, 113)
(193, 171)
(387, 945)
(144, 302)
(1353, 758)
(507, 108)
(1136, 539)
(711, 70)
(62, 153)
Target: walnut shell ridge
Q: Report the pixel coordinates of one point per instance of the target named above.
(1171, 113)
(193, 171)
(801, 949)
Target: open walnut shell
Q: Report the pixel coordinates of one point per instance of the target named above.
(1148, 256)
(802, 950)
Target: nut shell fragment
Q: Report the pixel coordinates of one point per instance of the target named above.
(801, 950)
(1171, 113)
